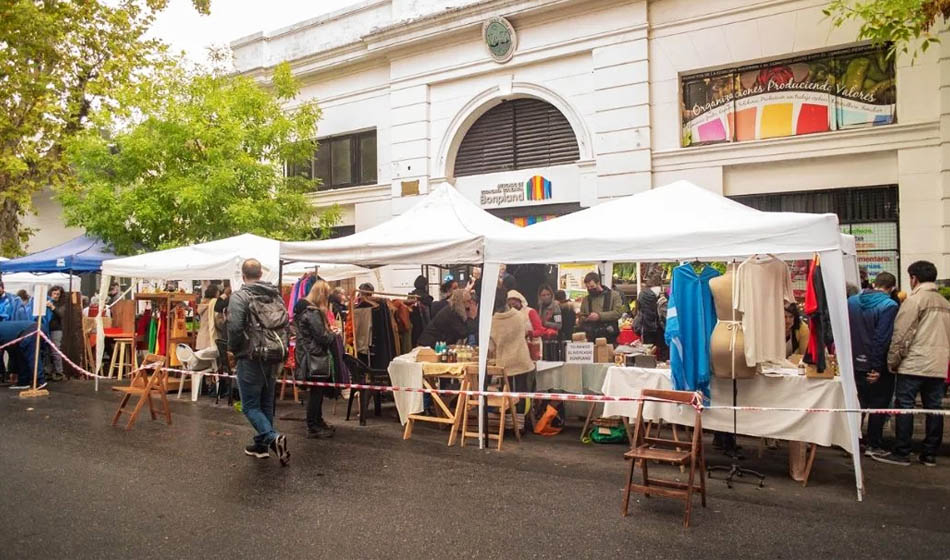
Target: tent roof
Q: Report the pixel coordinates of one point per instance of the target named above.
(214, 260)
(444, 227)
(82, 254)
(329, 272)
(678, 221)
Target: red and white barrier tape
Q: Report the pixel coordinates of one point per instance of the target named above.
(697, 403)
(16, 340)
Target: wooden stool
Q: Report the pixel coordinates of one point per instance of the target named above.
(119, 362)
(145, 382)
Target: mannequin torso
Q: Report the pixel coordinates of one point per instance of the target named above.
(728, 331)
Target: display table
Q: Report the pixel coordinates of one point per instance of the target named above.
(570, 378)
(785, 391)
(405, 371)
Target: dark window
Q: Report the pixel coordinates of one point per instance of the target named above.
(342, 161)
(517, 134)
(870, 214)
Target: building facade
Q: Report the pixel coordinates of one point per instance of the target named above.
(535, 108)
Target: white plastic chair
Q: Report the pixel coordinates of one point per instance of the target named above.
(200, 362)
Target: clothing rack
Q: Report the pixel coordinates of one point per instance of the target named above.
(387, 294)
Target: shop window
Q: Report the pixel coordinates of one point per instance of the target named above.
(517, 134)
(341, 161)
(870, 214)
(834, 90)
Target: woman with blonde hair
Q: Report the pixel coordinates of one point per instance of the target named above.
(451, 325)
(313, 354)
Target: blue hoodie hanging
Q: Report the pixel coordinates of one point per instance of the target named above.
(691, 317)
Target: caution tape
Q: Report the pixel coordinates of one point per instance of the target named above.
(16, 340)
(569, 397)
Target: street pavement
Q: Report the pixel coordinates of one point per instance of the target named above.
(75, 487)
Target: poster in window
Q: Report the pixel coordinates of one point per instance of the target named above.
(570, 278)
(792, 97)
(866, 88)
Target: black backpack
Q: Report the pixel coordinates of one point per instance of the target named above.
(267, 329)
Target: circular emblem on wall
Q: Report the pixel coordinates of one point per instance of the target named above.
(500, 38)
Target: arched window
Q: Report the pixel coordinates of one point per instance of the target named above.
(517, 134)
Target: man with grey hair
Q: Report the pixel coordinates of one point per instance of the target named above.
(254, 316)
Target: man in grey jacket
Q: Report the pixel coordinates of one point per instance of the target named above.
(919, 354)
(256, 378)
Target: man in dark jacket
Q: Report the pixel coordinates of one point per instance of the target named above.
(872, 314)
(23, 354)
(600, 310)
(256, 378)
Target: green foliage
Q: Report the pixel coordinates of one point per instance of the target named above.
(908, 26)
(59, 62)
(202, 159)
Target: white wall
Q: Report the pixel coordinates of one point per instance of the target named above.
(48, 223)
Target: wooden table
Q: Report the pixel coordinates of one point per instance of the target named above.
(449, 416)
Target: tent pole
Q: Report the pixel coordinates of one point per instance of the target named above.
(832, 268)
(485, 311)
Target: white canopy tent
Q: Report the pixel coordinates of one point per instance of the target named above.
(214, 260)
(683, 221)
(26, 280)
(444, 227)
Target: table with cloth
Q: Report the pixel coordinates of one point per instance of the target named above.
(405, 371)
(796, 391)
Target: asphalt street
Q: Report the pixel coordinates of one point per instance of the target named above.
(75, 487)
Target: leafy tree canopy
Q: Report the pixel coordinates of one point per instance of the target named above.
(203, 159)
(909, 26)
(60, 61)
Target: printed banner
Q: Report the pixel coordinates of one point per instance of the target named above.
(832, 91)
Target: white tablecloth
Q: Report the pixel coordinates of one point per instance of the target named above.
(570, 378)
(787, 391)
(405, 371)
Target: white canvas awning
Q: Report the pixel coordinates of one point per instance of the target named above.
(329, 272)
(443, 228)
(214, 260)
(682, 221)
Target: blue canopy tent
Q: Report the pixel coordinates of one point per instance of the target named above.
(82, 254)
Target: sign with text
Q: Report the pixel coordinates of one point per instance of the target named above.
(39, 299)
(579, 353)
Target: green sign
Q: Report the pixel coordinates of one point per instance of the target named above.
(500, 38)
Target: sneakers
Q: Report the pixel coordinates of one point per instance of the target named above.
(279, 446)
(323, 431)
(19, 387)
(259, 451)
(872, 451)
(892, 459)
(43, 386)
(928, 460)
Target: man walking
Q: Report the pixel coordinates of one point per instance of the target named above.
(919, 353)
(257, 322)
(872, 314)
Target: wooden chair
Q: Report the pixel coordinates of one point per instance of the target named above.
(504, 404)
(682, 453)
(145, 381)
(361, 373)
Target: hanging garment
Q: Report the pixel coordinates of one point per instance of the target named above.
(162, 342)
(363, 328)
(819, 319)
(762, 287)
(383, 339)
(152, 333)
(691, 317)
(143, 329)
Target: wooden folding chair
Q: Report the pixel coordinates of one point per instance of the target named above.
(151, 378)
(504, 404)
(646, 448)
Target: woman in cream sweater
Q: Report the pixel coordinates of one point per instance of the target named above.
(508, 338)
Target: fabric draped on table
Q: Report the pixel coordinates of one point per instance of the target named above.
(819, 319)
(762, 286)
(691, 317)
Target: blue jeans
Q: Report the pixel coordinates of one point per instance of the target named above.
(931, 392)
(256, 382)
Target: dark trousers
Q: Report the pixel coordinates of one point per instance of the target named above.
(931, 392)
(875, 395)
(315, 408)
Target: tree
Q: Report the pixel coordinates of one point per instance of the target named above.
(908, 26)
(204, 160)
(59, 61)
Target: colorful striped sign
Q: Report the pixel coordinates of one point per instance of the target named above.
(537, 188)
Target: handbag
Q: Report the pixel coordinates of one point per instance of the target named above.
(314, 368)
